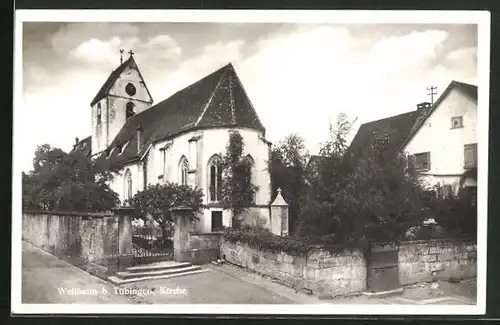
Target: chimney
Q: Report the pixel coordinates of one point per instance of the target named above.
(77, 140)
(139, 138)
(424, 105)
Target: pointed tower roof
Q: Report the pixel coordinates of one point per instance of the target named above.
(115, 74)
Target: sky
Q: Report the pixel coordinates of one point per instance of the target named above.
(298, 76)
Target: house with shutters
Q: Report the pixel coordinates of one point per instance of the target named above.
(440, 138)
(443, 141)
(180, 139)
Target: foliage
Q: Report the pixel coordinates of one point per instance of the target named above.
(157, 200)
(384, 198)
(455, 212)
(263, 239)
(337, 144)
(237, 190)
(377, 199)
(287, 169)
(68, 182)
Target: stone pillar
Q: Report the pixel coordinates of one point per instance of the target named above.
(124, 255)
(182, 227)
(279, 215)
(194, 160)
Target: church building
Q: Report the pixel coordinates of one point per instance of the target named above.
(180, 139)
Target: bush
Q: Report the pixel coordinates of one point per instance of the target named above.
(265, 240)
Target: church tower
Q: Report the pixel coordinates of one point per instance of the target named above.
(123, 95)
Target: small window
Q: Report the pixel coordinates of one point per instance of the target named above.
(217, 221)
(457, 122)
(130, 109)
(470, 155)
(98, 113)
(423, 161)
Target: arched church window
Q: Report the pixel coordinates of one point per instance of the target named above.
(215, 178)
(183, 170)
(128, 185)
(98, 113)
(248, 176)
(130, 109)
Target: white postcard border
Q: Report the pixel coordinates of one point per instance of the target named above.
(482, 18)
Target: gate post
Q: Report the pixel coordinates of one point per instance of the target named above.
(124, 252)
(182, 227)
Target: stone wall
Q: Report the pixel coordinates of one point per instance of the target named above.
(329, 274)
(421, 261)
(88, 240)
(321, 272)
(204, 247)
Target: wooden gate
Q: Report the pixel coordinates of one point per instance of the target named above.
(382, 268)
(149, 244)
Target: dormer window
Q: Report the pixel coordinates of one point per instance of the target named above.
(130, 110)
(98, 113)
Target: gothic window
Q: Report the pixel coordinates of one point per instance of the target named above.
(128, 185)
(183, 170)
(130, 110)
(249, 165)
(98, 113)
(215, 178)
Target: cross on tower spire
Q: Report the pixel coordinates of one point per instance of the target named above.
(131, 52)
(432, 93)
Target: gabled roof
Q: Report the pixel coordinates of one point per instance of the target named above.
(316, 162)
(397, 128)
(216, 100)
(115, 74)
(84, 145)
(469, 90)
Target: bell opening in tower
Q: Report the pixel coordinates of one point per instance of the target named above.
(130, 110)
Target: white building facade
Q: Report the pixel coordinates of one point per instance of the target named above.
(180, 139)
(444, 143)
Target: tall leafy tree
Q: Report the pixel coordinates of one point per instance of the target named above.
(337, 144)
(156, 201)
(384, 196)
(287, 165)
(68, 182)
(237, 190)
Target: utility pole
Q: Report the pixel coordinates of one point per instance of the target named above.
(432, 91)
(121, 56)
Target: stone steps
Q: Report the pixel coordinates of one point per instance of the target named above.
(162, 270)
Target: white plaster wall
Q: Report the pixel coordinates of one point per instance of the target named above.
(213, 141)
(113, 108)
(118, 184)
(130, 76)
(99, 136)
(446, 145)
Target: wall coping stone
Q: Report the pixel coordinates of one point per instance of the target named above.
(216, 233)
(70, 213)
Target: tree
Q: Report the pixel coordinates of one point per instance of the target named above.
(68, 182)
(336, 145)
(237, 190)
(286, 167)
(157, 200)
(319, 215)
(384, 196)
